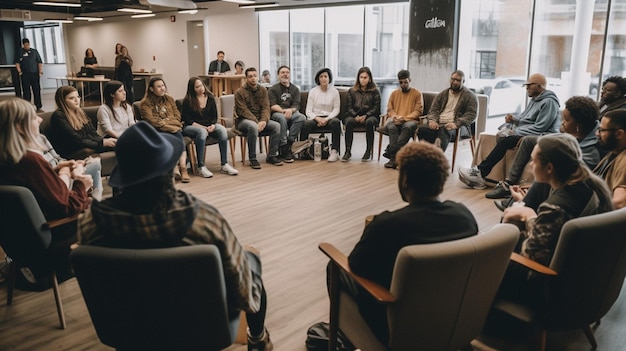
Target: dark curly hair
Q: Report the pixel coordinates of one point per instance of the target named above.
(584, 111)
(617, 80)
(425, 168)
(324, 70)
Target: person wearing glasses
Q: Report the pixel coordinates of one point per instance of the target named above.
(452, 108)
(540, 117)
(612, 135)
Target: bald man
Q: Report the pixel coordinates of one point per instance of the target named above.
(541, 116)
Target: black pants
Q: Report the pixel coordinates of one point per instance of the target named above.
(498, 152)
(31, 81)
(430, 135)
(370, 125)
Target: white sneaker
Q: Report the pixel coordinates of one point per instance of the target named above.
(334, 156)
(472, 177)
(226, 168)
(204, 172)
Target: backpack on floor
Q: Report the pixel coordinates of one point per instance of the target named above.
(308, 153)
(317, 337)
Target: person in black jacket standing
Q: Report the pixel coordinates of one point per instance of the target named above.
(30, 67)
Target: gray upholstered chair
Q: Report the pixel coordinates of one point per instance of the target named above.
(156, 299)
(583, 281)
(440, 293)
(26, 237)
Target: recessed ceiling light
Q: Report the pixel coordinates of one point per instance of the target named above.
(257, 5)
(245, 2)
(128, 9)
(58, 20)
(49, 3)
(87, 18)
(144, 15)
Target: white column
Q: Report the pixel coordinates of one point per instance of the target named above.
(579, 77)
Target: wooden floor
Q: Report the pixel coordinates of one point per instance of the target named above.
(286, 212)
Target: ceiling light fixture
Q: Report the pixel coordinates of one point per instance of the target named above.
(244, 2)
(258, 5)
(87, 18)
(58, 20)
(48, 3)
(128, 9)
(144, 15)
(190, 12)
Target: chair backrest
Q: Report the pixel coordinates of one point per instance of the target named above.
(444, 290)
(156, 299)
(137, 110)
(227, 109)
(590, 259)
(429, 97)
(25, 236)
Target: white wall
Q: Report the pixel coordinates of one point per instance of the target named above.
(157, 43)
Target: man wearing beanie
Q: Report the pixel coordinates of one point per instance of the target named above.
(148, 211)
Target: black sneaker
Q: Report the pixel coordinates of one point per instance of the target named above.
(274, 160)
(391, 164)
(503, 204)
(501, 191)
(285, 154)
(261, 344)
(346, 157)
(255, 164)
(367, 156)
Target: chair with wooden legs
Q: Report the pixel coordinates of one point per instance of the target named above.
(26, 238)
(227, 109)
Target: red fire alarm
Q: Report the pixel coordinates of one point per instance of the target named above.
(172, 18)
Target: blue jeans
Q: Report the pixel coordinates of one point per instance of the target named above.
(250, 130)
(199, 136)
(430, 135)
(93, 168)
(292, 125)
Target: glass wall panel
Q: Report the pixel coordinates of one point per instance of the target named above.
(344, 42)
(567, 45)
(273, 41)
(493, 50)
(47, 39)
(307, 46)
(615, 56)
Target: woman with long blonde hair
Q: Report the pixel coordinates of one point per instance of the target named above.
(22, 163)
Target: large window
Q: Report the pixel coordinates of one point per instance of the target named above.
(47, 39)
(342, 38)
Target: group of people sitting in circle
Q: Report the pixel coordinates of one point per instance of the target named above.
(148, 211)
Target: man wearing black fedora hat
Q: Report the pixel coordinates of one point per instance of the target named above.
(148, 211)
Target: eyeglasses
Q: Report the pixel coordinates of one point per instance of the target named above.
(456, 80)
(600, 130)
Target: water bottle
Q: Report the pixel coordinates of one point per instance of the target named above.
(317, 150)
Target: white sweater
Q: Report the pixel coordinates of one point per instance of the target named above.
(323, 103)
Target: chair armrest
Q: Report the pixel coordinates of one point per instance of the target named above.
(222, 121)
(532, 265)
(383, 120)
(59, 222)
(338, 258)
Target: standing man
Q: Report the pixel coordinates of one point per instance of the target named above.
(541, 116)
(405, 105)
(613, 95)
(219, 65)
(285, 105)
(452, 108)
(612, 135)
(30, 68)
(252, 117)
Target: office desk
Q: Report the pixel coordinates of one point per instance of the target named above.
(83, 80)
(223, 83)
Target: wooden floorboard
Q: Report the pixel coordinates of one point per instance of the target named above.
(286, 212)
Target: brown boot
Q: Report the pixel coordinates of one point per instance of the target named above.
(184, 176)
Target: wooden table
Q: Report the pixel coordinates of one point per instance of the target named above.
(223, 83)
(83, 80)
